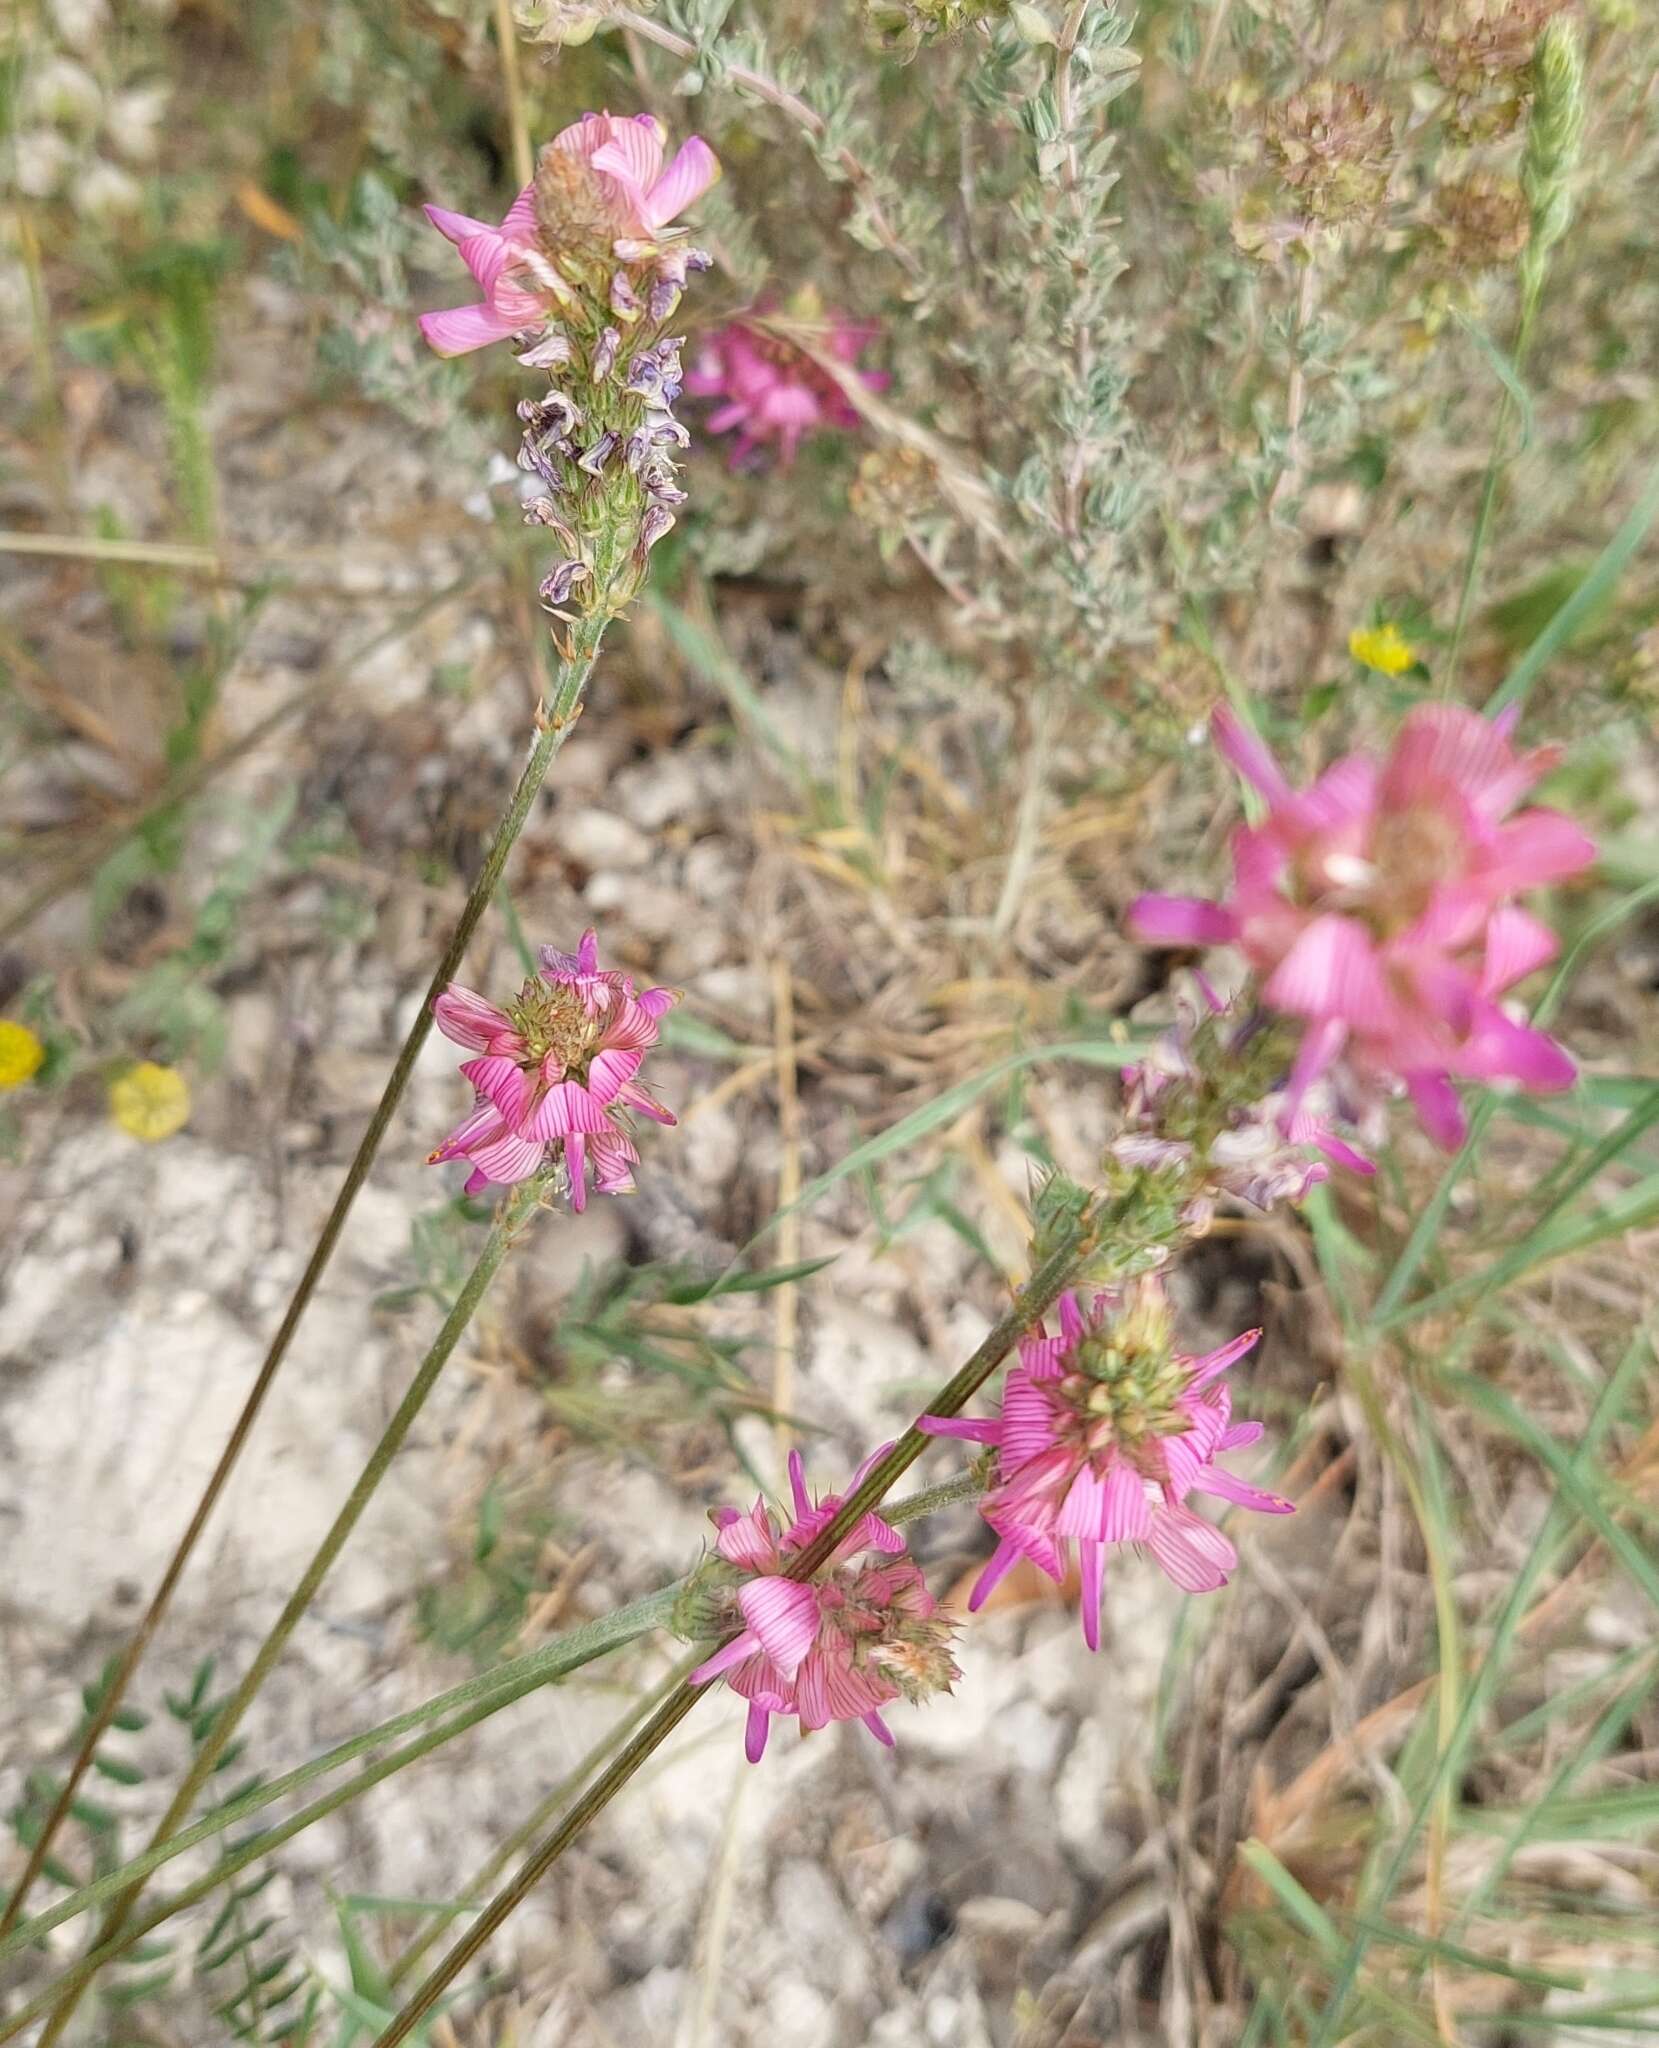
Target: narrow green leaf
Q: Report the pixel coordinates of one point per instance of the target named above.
(1594, 591)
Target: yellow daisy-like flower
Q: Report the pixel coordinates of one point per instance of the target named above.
(150, 1102)
(20, 1053)
(1384, 648)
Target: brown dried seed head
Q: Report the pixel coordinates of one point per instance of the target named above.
(1333, 146)
(1481, 222)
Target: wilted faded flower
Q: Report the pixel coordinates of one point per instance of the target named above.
(903, 26)
(569, 22)
(1333, 147)
(1481, 222)
(838, 1647)
(1207, 1106)
(1105, 1431)
(557, 1074)
(1378, 907)
(1481, 51)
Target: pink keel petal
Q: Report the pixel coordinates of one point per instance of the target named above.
(461, 329)
(508, 1160)
(878, 1728)
(1540, 846)
(1225, 1485)
(1193, 1552)
(797, 1484)
(499, 1080)
(723, 1660)
(1181, 921)
(484, 1126)
(1249, 756)
(1330, 972)
(633, 150)
(1214, 1363)
(456, 227)
(519, 223)
(576, 1170)
(564, 1109)
(1438, 1109)
(1516, 944)
(1003, 1559)
(465, 1018)
(755, 1731)
(960, 1426)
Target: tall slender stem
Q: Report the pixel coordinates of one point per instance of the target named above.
(1488, 500)
(553, 724)
(1038, 1296)
(513, 1212)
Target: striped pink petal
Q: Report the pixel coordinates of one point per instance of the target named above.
(784, 1616)
(564, 1109)
(499, 1080)
(465, 1017)
(694, 169)
(1192, 1552)
(1181, 921)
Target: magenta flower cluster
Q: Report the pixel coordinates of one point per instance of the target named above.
(1378, 908)
(838, 1647)
(520, 279)
(1104, 1432)
(556, 1073)
(773, 395)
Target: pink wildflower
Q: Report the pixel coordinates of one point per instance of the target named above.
(1377, 906)
(1104, 1432)
(774, 394)
(634, 200)
(839, 1647)
(556, 1067)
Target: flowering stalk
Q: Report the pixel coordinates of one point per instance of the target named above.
(1067, 1244)
(514, 1212)
(584, 257)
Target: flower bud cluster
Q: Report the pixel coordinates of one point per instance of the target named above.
(1207, 1109)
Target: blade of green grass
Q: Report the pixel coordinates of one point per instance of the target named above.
(1596, 588)
(1552, 1533)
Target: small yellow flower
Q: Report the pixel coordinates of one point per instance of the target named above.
(150, 1102)
(1384, 648)
(20, 1053)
